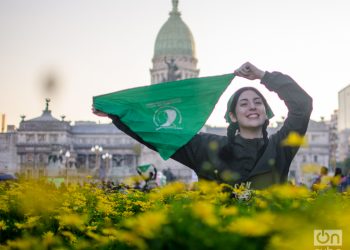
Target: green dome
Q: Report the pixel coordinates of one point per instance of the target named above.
(174, 38)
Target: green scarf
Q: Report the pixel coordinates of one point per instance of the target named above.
(166, 115)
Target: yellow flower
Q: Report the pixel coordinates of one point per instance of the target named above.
(228, 211)
(129, 238)
(294, 139)
(2, 225)
(319, 187)
(91, 228)
(261, 203)
(147, 224)
(105, 206)
(110, 231)
(205, 212)
(256, 226)
(72, 220)
(300, 237)
(126, 214)
(70, 236)
(289, 192)
(208, 189)
(26, 243)
(131, 181)
(171, 189)
(30, 223)
(48, 238)
(143, 205)
(3, 203)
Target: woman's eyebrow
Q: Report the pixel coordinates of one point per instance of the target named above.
(254, 99)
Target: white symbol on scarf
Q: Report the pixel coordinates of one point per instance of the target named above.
(167, 117)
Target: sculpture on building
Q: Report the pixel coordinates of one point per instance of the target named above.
(172, 74)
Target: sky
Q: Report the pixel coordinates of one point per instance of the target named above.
(92, 47)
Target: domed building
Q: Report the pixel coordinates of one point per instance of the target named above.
(174, 50)
(174, 59)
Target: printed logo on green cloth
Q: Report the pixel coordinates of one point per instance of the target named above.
(167, 117)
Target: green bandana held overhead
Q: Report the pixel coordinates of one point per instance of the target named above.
(166, 115)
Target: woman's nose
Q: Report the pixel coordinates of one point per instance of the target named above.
(252, 106)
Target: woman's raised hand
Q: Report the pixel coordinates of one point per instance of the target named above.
(249, 71)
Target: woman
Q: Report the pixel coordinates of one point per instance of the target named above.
(246, 154)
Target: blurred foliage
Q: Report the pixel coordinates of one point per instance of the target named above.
(35, 214)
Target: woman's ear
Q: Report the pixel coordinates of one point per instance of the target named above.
(232, 117)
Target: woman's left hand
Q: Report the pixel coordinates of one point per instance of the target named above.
(249, 71)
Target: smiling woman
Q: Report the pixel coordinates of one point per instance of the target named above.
(246, 154)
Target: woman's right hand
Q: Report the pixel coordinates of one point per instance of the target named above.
(98, 113)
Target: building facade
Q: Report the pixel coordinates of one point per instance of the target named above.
(308, 160)
(344, 109)
(8, 152)
(333, 140)
(46, 146)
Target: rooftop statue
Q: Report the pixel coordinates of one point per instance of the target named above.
(172, 68)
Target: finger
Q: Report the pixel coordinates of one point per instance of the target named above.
(242, 72)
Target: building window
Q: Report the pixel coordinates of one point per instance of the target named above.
(118, 160)
(129, 160)
(92, 161)
(30, 157)
(41, 137)
(29, 138)
(292, 174)
(41, 158)
(54, 138)
(304, 158)
(315, 137)
(81, 161)
(315, 158)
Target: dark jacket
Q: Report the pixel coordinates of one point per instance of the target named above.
(261, 163)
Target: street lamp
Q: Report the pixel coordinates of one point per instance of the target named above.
(107, 157)
(97, 149)
(67, 155)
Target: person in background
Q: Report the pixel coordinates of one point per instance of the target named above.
(339, 180)
(321, 178)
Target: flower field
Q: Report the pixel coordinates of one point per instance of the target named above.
(38, 215)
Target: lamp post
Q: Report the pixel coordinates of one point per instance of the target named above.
(67, 155)
(107, 157)
(97, 149)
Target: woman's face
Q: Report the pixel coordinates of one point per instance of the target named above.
(250, 110)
